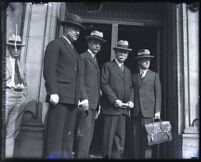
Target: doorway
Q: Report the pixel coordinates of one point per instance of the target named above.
(139, 38)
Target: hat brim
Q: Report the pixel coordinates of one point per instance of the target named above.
(13, 44)
(140, 57)
(65, 23)
(95, 38)
(121, 48)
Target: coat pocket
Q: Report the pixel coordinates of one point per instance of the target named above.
(64, 78)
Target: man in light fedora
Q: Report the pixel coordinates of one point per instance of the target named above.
(61, 73)
(16, 91)
(118, 98)
(147, 88)
(90, 93)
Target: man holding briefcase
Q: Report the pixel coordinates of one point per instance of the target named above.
(147, 88)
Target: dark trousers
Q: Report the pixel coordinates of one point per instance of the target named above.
(113, 136)
(141, 148)
(84, 133)
(60, 130)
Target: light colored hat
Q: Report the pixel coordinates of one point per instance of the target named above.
(122, 45)
(73, 19)
(143, 53)
(97, 35)
(15, 40)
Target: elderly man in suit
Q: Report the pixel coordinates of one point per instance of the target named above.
(118, 97)
(16, 91)
(61, 73)
(147, 88)
(90, 93)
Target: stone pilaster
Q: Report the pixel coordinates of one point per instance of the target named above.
(188, 80)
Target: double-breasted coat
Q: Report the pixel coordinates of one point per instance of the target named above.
(115, 84)
(61, 73)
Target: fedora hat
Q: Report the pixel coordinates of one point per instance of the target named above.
(73, 20)
(15, 40)
(122, 45)
(144, 53)
(97, 35)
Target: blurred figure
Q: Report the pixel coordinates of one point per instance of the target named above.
(16, 92)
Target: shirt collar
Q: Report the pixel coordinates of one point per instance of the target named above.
(118, 63)
(12, 59)
(143, 71)
(66, 39)
(92, 54)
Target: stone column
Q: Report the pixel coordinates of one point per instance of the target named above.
(188, 79)
(40, 26)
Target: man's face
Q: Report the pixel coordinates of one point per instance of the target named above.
(14, 51)
(121, 55)
(144, 63)
(94, 46)
(72, 32)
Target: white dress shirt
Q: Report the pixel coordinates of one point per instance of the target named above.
(92, 54)
(12, 83)
(143, 72)
(118, 63)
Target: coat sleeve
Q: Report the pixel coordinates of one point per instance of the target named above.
(50, 67)
(83, 91)
(157, 93)
(105, 86)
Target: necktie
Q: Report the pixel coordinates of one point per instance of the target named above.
(17, 78)
(95, 59)
(122, 68)
(142, 74)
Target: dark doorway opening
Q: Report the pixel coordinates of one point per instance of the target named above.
(139, 38)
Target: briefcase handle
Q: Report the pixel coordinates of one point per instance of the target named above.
(161, 127)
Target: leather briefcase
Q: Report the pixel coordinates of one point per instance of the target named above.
(158, 132)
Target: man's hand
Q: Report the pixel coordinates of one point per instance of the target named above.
(118, 103)
(85, 104)
(130, 104)
(157, 115)
(54, 99)
(98, 112)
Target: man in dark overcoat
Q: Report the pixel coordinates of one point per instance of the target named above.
(118, 96)
(90, 93)
(147, 88)
(61, 73)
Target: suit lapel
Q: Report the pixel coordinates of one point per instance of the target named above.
(93, 61)
(118, 70)
(139, 80)
(146, 76)
(70, 47)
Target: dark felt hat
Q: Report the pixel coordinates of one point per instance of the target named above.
(143, 53)
(72, 19)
